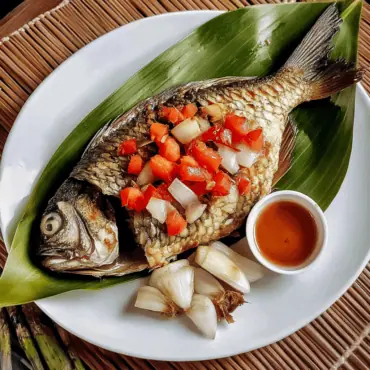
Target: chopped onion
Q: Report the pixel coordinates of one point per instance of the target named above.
(246, 157)
(252, 270)
(194, 210)
(203, 314)
(184, 195)
(146, 176)
(171, 267)
(206, 284)
(229, 159)
(186, 131)
(221, 266)
(158, 209)
(204, 125)
(215, 111)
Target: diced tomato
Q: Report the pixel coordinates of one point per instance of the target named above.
(238, 126)
(149, 193)
(199, 188)
(175, 223)
(223, 184)
(133, 199)
(127, 147)
(171, 114)
(158, 131)
(244, 185)
(206, 157)
(170, 149)
(188, 160)
(254, 139)
(189, 110)
(163, 192)
(162, 168)
(136, 165)
(219, 135)
(193, 173)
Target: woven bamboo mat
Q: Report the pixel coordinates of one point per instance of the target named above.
(340, 338)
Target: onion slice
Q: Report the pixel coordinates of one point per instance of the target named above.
(194, 211)
(146, 176)
(184, 195)
(158, 209)
(186, 131)
(204, 125)
(246, 157)
(229, 159)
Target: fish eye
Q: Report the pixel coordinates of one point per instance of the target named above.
(51, 224)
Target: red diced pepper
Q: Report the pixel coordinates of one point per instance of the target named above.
(244, 185)
(158, 131)
(254, 139)
(187, 160)
(136, 165)
(219, 135)
(238, 126)
(170, 149)
(193, 173)
(162, 168)
(199, 188)
(206, 157)
(175, 223)
(163, 192)
(127, 147)
(132, 198)
(189, 110)
(171, 114)
(223, 184)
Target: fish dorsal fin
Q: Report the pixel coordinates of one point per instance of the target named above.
(286, 150)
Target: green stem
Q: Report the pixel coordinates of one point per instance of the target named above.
(5, 348)
(25, 338)
(52, 352)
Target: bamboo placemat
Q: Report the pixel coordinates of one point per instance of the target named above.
(340, 338)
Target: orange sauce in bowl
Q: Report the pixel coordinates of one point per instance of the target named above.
(286, 233)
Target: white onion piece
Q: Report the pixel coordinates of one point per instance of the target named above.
(204, 125)
(219, 265)
(206, 284)
(149, 298)
(171, 267)
(203, 314)
(252, 270)
(229, 159)
(176, 285)
(246, 157)
(184, 195)
(186, 131)
(215, 111)
(146, 176)
(194, 211)
(158, 209)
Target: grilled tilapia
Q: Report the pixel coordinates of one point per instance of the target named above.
(78, 229)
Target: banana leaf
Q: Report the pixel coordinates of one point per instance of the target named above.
(252, 41)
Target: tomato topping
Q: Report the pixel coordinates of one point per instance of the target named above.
(171, 114)
(175, 223)
(244, 185)
(170, 149)
(238, 126)
(188, 160)
(206, 157)
(136, 165)
(193, 173)
(149, 193)
(133, 199)
(127, 147)
(162, 168)
(219, 135)
(199, 188)
(164, 194)
(254, 139)
(158, 131)
(223, 184)
(189, 110)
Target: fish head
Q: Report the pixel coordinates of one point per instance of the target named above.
(77, 234)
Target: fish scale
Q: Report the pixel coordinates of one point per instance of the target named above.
(265, 103)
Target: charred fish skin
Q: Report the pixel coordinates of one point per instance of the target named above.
(264, 102)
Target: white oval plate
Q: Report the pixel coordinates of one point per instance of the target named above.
(279, 305)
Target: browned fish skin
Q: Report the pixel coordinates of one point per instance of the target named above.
(265, 102)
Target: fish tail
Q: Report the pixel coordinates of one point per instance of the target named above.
(324, 77)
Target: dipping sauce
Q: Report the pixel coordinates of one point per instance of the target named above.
(286, 233)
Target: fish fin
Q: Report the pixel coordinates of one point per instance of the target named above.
(311, 58)
(286, 151)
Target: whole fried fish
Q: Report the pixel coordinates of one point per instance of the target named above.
(79, 231)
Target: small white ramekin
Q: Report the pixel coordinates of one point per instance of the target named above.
(306, 202)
